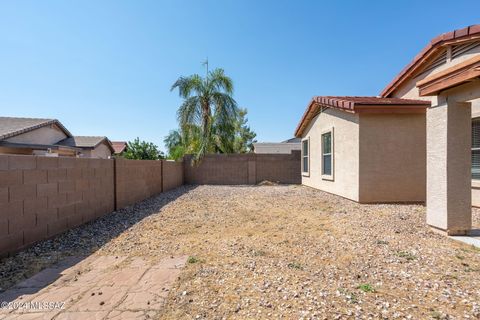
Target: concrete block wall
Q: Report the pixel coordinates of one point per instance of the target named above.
(137, 180)
(172, 175)
(244, 169)
(41, 197)
(218, 169)
(284, 168)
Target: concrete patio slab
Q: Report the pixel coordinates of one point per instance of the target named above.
(473, 238)
(96, 287)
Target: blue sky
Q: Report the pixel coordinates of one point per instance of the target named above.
(106, 67)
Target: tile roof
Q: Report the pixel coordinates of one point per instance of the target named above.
(119, 146)
(359, 104)
(84, 141)
(456, 36)
(13, 126)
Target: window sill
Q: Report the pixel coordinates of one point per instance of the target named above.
(475, 183)
(328, 178)
(305, 174)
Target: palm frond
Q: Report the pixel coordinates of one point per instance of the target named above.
(190, 112)
(188, 85)
(219, 82)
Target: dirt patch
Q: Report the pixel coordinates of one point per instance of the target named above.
(292, 252)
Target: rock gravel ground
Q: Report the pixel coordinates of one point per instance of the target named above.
(282, 252)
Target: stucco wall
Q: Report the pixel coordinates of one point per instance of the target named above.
(102, 151)
(392, 158)
(346, 153)
(44, 135)
(285, 148)
(409, 90)
(476, 194)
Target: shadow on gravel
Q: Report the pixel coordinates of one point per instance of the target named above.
(81, 241)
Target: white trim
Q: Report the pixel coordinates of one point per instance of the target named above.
(329, 177)
(306, 173)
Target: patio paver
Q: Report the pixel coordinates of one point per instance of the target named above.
(97, 287)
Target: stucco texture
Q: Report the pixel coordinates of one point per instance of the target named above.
(346, 153)
(45, 135)
(102, 151)
(392, 158)
(376, 157)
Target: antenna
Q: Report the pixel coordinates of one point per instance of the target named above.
(205, 64)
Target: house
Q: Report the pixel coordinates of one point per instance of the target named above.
(447, 74)
(91, 146)
(119, 147)
(366, 149)
(48, 137)
(285, 147)
(34, 137)
(420, 139)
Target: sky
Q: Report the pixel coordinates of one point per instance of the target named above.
(106, 67)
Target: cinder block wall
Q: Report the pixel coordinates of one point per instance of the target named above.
(137, 180)
(238, 169)
(172, 175)
(41, 196)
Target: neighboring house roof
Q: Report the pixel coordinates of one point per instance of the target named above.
(359, 104)
(292, 140)
(37, 146)
(10, 126)
(436, 44)
(119, 146)
(86, 142)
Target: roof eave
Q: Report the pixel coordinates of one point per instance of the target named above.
(352, 107)
(38, 126)
(467, 34)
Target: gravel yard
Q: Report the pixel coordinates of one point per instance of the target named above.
(281, 251)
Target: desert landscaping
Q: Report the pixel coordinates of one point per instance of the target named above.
(277, 252)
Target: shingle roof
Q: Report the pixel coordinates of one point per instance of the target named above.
(457, 36)
(359, 104)
(119, 146)
(292, 140)
(85, 141)
(12, 126)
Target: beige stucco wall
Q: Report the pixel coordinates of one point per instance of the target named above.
(345, 153)
(409, 90)
(102, 151)
(280, 147)
(392, 158)
(44, 135)
(476, 193)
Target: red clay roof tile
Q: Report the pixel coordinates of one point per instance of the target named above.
(357, 104)
(436, 43)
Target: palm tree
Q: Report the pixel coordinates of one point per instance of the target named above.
(209, 106)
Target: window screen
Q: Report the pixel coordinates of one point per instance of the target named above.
(327, 153)
(476, 148)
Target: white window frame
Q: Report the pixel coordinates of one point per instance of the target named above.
(329, 177)
(475, 182)
(306, 173)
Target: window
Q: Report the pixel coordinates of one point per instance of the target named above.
(305, 156)
(476, 148)
(327, 154)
